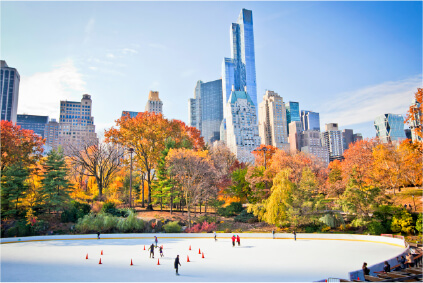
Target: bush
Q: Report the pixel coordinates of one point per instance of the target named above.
(75, 211)
(376, 228)
(203, 218)
(402, 222)
(172, 227)
(19, 229)
(419, 223)
(244, 216)
(130, 224)
(205, 227)
(231, 210)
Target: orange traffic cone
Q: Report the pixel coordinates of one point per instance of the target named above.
(99, 261)
(131, 261)
(202, 256)
(358, 278)
(189, 247)
(158, 262)
(101, 252)
(86, 257)
(199, 252)
(188, 259)
(144, 247)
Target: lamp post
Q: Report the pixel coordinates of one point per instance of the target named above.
(131, 151)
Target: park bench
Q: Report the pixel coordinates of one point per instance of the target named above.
(372, 278)
(391, 275)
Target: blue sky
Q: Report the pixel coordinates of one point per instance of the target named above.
(349, 61)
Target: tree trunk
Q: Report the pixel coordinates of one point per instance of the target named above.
(171, 204)
(149, 205)
(205, 209)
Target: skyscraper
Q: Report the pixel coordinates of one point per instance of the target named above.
(310, 120)
(154, 104)
(331, 138)
(51, 134)
(76, 123)
(206, 109)
(9, 86)
(292, 112)
(241, 126)
(272, 121)
(33, 122)
(311, 144)
(416, 121)
(239, 71)
(347, 138)
(295, 136)
(390, 127)
(132, 114)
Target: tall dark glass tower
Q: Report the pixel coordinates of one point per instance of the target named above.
(9, 90)
(240, 70)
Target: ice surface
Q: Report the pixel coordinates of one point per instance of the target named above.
(255, 260)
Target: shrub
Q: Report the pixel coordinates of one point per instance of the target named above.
(231, 210)
(419, 223)
(402, 222)
(376, 228)
(359, 222)
(97, 207)
(204, 227)
(172, 227)
(203, 218)
(75, 211)
(130, 224)
(325, 228)
(19, 229)
(244, 216)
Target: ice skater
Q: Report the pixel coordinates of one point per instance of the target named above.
(161, 251)
(215, 239)
(98, 235)
(273, 233)
(295, 235)
(177, 263)
(233, 241)
(238, 239)
(156, 240)
(151, 248)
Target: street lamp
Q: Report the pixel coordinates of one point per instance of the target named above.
(131, 151)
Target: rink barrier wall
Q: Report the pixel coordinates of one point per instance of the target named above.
(281, 236)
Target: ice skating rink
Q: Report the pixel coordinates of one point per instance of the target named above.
(257, 259)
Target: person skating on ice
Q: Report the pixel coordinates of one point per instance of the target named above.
(233, 241)
(238, 239)
(295, 235)
(161, 251)
(151, 248)
(156, 240)
(215, 239)
(98, 235)
(177, 263)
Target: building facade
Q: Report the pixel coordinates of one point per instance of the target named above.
(310, 120)
(206, 109)
(9, 87)
(347, 138)
(242, 135)
(294, 138)
(311, 144)
(35, 123)
(132, 114)
(292, 112)
(51, 134)
(272, 121)
(331, 139)
(76, 125)
(154, 104)
(415, 123)
(239, 71)
(390, 128)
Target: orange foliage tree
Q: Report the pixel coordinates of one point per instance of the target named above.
(146, 134)
(19, 145)
(411, 158)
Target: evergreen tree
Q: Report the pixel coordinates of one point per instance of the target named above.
(55, 186)
(13, 188)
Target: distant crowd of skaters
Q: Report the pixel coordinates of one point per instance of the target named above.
(177, 262)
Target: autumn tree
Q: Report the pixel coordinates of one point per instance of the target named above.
(411, 159)
(193, 171)
(146, 134)
(98, 160)
(334, 183)
(387, 166)
(414, 114)
(19, 145)
(13, 188)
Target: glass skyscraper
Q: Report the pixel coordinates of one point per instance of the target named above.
(239, 72)
(292, 112)
(33, 122)
(390, 127)
(206, 109)
(9, 91)
(310, 120)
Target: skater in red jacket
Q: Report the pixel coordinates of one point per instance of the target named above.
(238, 240)
(233, 241)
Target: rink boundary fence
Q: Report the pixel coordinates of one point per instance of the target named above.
(299, 238)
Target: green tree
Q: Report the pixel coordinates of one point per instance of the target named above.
(56, 188)
(13, 188)
(240, 187)
(402, 222)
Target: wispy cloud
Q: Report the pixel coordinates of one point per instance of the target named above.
(40, 94)
(110, 55)
(365, 104)
(129, 51)
(89, 27)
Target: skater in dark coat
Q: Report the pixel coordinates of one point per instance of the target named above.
(233, 241)
(295, 235)
(98, 235)
(273, 233)
(151, 248)
(176, 264)
(155, 240)
(238, 240)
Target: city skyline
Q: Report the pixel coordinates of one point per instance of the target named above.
(358, 66)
